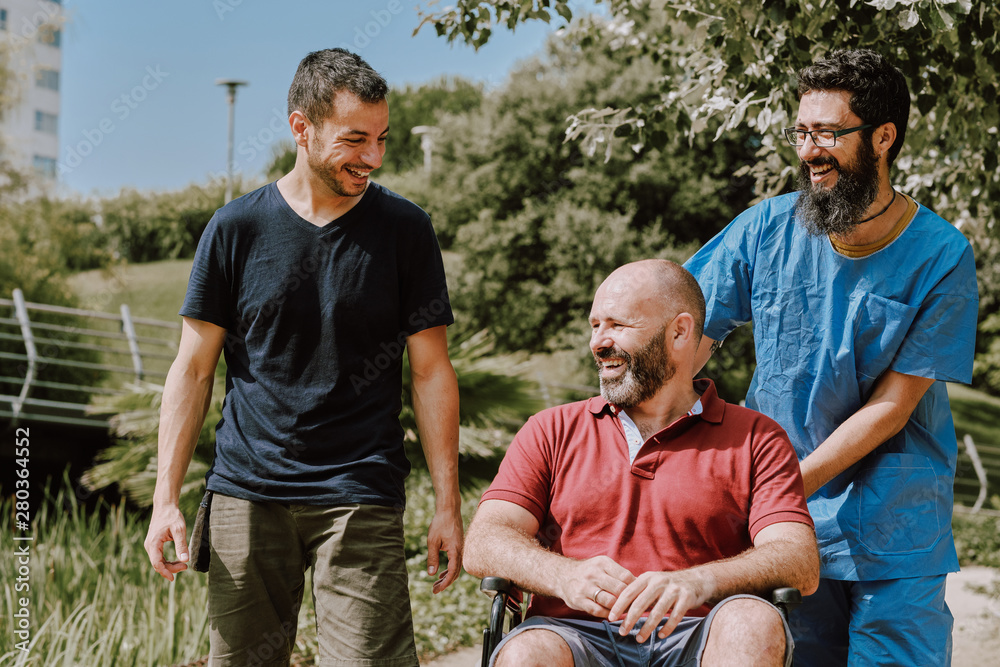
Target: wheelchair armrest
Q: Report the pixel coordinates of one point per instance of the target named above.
(786, 600)
(495, 584)
(506, 598)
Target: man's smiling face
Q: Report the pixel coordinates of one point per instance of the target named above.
(837, 183)
(349, 145)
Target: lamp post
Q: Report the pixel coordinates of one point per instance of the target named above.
(427, 134)
(232, 85)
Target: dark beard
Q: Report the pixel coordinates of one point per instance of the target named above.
(645, 372)
(838, 210)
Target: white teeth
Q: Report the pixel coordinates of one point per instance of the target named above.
(356, 173)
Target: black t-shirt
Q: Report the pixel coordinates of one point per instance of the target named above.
(316, 320)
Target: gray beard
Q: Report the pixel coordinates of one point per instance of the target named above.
(839, 209)
(646, 371)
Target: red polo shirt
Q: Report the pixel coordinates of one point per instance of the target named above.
(698, 491)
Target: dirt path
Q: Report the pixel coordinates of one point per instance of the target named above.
(977, 624)
(977, 618)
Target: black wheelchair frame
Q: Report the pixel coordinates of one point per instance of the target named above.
(507, 598)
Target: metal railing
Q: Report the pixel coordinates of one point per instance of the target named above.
(47, 338)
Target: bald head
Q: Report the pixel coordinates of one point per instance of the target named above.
(656, 285)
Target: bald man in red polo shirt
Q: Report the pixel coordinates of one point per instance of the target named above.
(642, 518)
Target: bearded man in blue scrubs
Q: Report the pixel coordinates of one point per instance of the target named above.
(863, 304)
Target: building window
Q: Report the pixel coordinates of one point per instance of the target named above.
(46, 122)
(45, 165)
(47, 78)
(49, 35)
(3, 19)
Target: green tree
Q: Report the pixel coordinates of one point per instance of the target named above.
(540, 223)
(728, 64)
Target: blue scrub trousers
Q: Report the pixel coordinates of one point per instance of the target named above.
(895, 622)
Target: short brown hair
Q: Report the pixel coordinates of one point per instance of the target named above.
(322, 74)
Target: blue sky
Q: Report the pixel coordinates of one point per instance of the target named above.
(140, 107)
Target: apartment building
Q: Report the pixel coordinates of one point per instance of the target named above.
(30, 31)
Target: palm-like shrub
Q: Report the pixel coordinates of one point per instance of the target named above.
(495, 400)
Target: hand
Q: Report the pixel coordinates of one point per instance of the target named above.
(167, 525)
(593, 585)
(658, 593)
(445, 534)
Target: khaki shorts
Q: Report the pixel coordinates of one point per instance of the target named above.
(256, 578)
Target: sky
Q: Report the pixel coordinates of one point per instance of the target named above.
(140, 107)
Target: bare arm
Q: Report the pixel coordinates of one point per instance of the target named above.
(501, 543)
(435, 405)
(784, 554)
(893, 400)
(187, 394)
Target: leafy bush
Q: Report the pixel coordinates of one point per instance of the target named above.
(977, 538)
(36, 252)
(148, 226)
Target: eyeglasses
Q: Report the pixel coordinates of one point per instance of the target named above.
(823, 138)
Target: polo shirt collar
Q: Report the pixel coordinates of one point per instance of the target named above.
(713, 407)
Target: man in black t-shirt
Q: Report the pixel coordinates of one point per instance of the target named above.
(313, 287)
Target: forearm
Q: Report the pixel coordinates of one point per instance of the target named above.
(186, 399)
(881, 417)
(496, 549)
(435, 405)
(852, 441)
(779, 563)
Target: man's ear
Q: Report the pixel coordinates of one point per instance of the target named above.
(684, 331)
(883, 138)
(302, 129)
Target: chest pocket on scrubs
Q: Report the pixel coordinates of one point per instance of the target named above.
(880, 327)
(900, 504)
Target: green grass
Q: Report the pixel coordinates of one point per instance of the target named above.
(976, 414)
(153, 290)
(94, 600)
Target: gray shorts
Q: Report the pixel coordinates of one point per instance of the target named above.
(256, 579)
(598, 644)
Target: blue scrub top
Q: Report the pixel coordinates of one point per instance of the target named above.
(826, 326)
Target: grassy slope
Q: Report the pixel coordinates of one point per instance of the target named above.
(151, 290)
(976, 414)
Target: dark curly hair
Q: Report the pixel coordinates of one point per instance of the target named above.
(879, 93)
(322, 74)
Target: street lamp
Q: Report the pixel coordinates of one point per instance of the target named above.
(427, 134)
(232, 85)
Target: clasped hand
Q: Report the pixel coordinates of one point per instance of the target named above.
(602, 588)
(659, 593)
